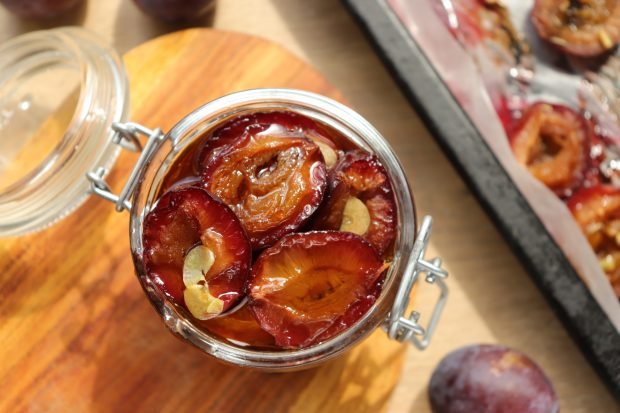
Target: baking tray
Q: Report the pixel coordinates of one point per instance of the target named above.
(510, 211)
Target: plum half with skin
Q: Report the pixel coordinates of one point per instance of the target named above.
(553, 142)
(268, 172)
(490, 379)
(283, 124)
(311, 286)
(176, 10)
(196, 252)
(597, 211)
(583, 28)
(40, 9)
(360, 200)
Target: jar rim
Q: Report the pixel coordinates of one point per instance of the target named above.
(57, 185)
(335, 115)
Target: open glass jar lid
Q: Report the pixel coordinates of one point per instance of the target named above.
(63, 102)
(60, 92)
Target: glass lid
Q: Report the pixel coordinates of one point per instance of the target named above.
(60, 92)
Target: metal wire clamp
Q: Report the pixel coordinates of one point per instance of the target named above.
(126, 135)
(403, 328)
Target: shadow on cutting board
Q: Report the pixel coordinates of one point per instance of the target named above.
(141, 367)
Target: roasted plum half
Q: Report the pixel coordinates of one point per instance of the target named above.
(196, 251)
(583, 28)
(360, 200)
(553, 142)
(266, 168)
(490, 379)
(311, 286)
(597, 210)
(485, 20)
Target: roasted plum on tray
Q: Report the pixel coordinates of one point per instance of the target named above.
(553, 142)
(584, 28)
(597, 210)
(486, 21)
(560, 115)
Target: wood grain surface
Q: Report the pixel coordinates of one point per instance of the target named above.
(492, 299)
(77, 332)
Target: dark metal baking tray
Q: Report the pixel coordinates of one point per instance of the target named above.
(461, 141)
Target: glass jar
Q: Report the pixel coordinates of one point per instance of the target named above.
(158, 154)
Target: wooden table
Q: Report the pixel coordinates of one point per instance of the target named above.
(492, 298)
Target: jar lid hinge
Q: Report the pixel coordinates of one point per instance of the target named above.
(126, 135)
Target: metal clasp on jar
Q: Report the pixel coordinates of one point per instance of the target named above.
(402, 328)
(126, 136)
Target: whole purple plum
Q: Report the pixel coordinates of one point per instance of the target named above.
(40, 9)
(176, 10)
(490, 379)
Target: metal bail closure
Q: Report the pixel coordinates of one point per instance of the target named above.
(127, 137)
(403, 328)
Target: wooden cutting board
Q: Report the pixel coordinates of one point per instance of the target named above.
(77, 333)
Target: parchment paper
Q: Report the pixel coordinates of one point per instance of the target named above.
(462, 71)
